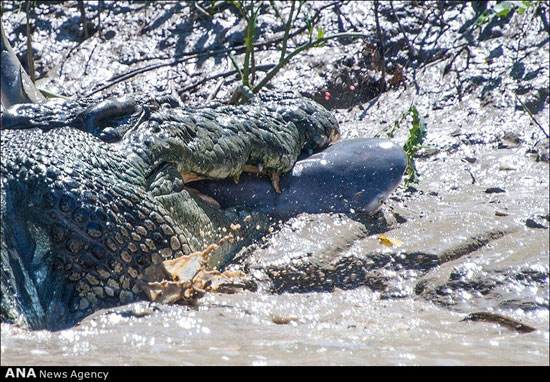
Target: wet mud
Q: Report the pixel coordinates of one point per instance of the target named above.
(470, 240)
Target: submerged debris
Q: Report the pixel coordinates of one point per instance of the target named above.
(282, 320)
(505, 321)
(495, 190)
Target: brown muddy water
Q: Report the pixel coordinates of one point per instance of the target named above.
(474, 230)
(367, 325)
(352, 327)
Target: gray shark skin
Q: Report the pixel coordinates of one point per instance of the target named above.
(350, 176)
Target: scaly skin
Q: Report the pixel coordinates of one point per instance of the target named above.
(93, 194)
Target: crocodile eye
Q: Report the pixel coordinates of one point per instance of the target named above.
(380, 200)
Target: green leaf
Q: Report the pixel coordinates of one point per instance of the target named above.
(483, 17)
(503, 13)
(502, 9)
(320, 33)
(309, 25)
(417, 134)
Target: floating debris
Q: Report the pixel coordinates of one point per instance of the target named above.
(508, 322)
(494, 190)
(282, 320)
(389, 242)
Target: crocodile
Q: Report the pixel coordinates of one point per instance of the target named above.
(94, 194)
(104, 202)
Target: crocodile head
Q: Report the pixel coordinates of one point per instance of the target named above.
(94, 194)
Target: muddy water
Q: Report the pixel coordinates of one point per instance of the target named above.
(361, 326)
(500, 263)
(342, 328)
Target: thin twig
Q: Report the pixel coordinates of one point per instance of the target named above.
(340, 13)
(248, 37)
(201, 9)
(287, 31)
(532, 116)
(471, 175)
(122, 77)
(297, 13)
(382, 63)
(215, 91)
(127, 76)
(30, 59)
(276, 10)
(89, 59)
(298, 50)
(83, 18)
(542, 15)
(236, 66)
(254, 16)
(187, 56)
(224, 74)
(412, 51)
(99, 7)
(259, 44)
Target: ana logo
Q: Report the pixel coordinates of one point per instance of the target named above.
(20, 372)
